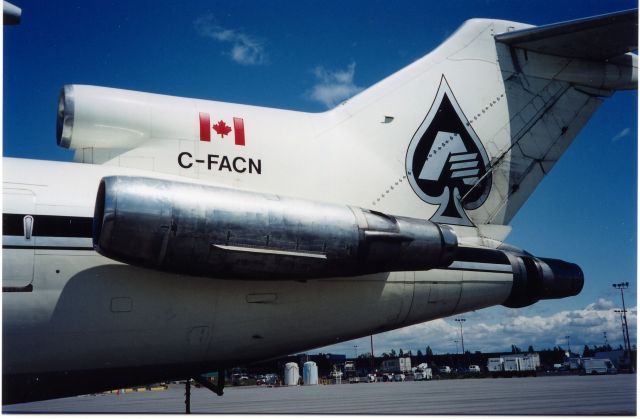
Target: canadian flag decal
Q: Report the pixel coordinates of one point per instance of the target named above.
(221, 128)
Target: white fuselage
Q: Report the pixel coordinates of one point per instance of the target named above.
(88, 312)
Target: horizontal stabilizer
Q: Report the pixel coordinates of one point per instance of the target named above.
(594, 38)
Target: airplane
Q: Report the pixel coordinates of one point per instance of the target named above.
(190, 236)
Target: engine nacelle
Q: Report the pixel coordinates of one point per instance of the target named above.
(223, 233)
(102, 117)
(537, 279)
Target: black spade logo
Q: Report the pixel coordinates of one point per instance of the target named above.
(446, 162)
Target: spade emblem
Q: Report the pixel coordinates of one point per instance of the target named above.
(446, 163)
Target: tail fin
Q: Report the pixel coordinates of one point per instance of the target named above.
(485, 117)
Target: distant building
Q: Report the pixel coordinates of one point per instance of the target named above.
(402, 365)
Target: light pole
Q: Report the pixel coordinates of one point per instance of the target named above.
(460, 321)
(625, 337)
(372, 356)
(625, 332)
(457, 350)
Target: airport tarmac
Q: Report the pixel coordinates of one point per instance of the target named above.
(552, 395)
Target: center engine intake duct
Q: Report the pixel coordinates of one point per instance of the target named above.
(223, 233)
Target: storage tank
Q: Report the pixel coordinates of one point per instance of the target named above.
(309, 373)
(291, 374)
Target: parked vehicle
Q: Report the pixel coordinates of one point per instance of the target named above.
(399, 377)
(474, 368)
(239, 379)
(271, 379)
(387, 377)
(445, 370)
(421, 374)
(598, 366)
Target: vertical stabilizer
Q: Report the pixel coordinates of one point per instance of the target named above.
(477, 123)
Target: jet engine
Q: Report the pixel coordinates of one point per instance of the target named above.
(203, 230)
(537, 279)
(106, 118)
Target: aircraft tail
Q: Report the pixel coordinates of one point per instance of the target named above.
(462, 136)
(485, 116)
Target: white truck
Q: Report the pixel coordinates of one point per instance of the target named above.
(422, 372)
(598, 366)
(520, 362)
(513, 364)
(495, 364)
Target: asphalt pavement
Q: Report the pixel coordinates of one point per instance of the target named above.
(551, 395)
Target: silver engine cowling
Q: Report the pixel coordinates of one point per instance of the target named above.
(223, 233)
(537, 279)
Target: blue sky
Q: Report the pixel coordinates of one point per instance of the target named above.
(306, 55)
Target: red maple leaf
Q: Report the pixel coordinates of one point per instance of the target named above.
(222, 128)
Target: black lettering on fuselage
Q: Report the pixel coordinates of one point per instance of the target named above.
(183, 165)
(224, 164)
(221, 162)
(242, 168)
(212, 160)
(255, 167)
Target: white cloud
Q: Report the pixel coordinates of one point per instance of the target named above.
(333, 87)
(621, 134)
(601, 304)
(497, 334)
(245, 49)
